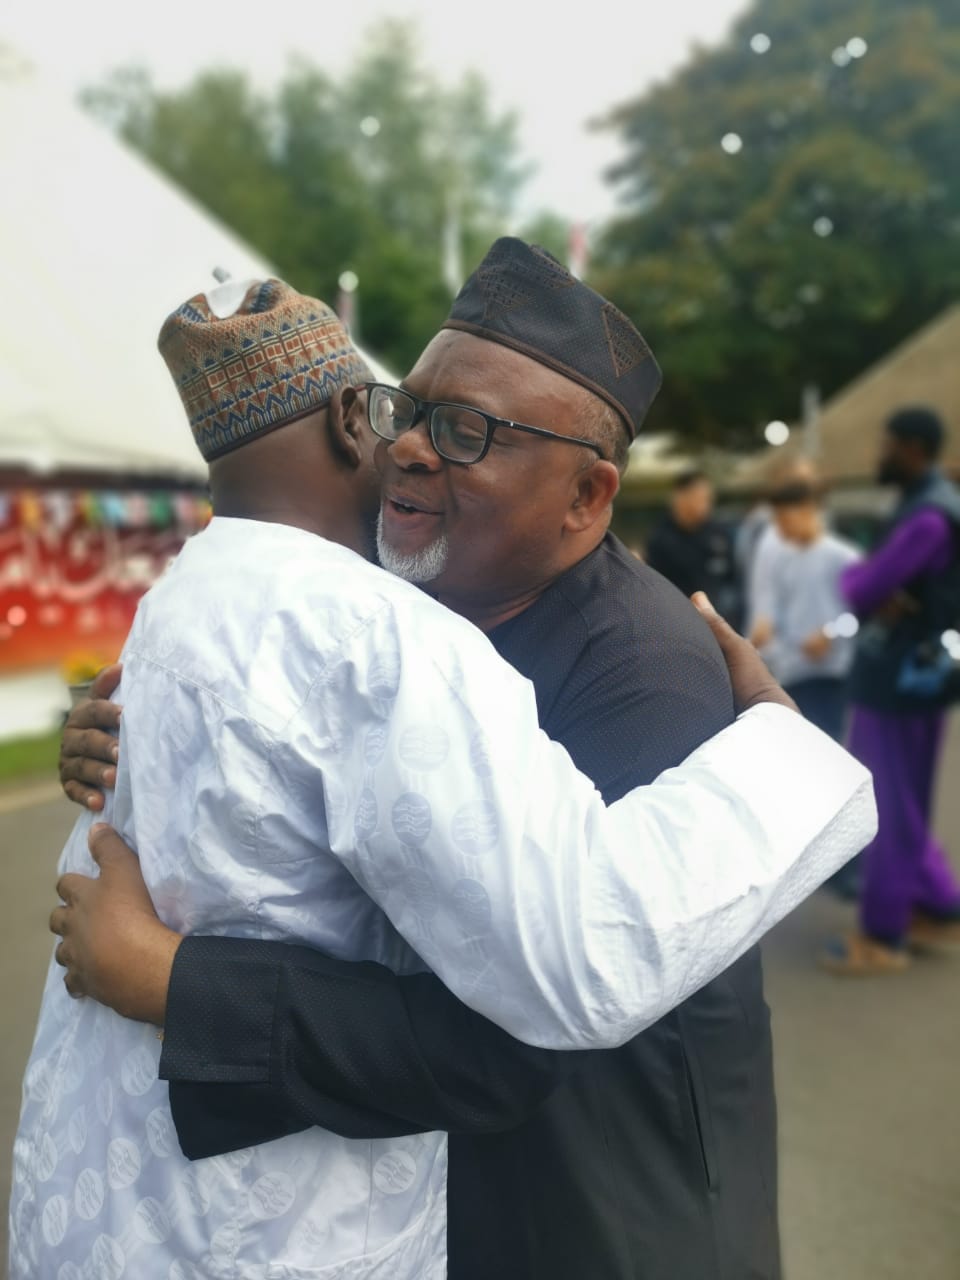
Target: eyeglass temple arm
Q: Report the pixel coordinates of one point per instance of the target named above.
(551, 435)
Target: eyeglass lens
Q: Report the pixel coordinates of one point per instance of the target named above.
(458, 434)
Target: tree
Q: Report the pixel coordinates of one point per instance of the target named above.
(369, 173)
(551, 232)
(213, 138)
(822, 230)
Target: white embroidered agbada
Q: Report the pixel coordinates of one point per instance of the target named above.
(312, 750)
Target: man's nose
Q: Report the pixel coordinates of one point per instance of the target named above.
(414, 451)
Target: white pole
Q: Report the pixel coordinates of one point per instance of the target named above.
(811, 421)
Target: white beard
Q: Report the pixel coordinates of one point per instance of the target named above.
(419, 567)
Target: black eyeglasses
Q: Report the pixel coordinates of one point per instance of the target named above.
(458, 433)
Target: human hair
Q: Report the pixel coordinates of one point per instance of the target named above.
(790, 472)
(688, 478)
(795, 493)
(600, 422)
(921, 426)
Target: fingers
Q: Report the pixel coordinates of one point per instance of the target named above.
(108, 849)
(88, 755)
(85, 796)
(725, 635)
(733, 645)
(106, 681)
(69, 885)
(95, 713)
(59, 917)
(64, 958)
(91, 742)
(83, 781)
(73, 984)
(750, 677)
(90, 771)
(703, 602)
(71, 979)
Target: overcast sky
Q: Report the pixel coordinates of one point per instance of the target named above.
(558, 70)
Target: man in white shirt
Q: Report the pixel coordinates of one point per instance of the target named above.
(313, 707)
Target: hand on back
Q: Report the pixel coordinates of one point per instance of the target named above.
(89, 750)
(751, 680)
(113, 945)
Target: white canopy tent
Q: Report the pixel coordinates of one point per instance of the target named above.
(96, 248)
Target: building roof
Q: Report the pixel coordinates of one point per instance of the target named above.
(923, 370)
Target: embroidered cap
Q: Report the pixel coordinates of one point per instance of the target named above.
(252, 357)
(522, 297)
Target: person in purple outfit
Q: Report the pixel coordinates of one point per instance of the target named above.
(907, 594)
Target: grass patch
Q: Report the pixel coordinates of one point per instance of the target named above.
(23, 757)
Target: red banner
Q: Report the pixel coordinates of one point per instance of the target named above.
(73, 566)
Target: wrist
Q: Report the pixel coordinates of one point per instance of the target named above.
(776, 696)
(158, 1013)
(146, 981)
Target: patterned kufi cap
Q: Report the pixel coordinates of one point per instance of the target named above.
(522, 297)
(250, 358)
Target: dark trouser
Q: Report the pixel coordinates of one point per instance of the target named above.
(823, 701)
(905, 866)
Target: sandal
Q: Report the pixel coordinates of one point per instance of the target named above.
(857, 956)
(933, 931)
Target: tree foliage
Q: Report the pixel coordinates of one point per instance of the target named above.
(832, 234)
(293, 172)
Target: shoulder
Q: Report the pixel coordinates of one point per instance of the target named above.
(927, 526)
(769, 537)
(839, 550)
(256, 572)
(259, 614)
(633, 617)
(647, 683)
(770, 547)
(333, 591)
(932, 520)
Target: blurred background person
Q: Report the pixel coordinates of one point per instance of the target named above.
(759, 544)
(694, 550)
(805, 633)
(807, 646)
(908, 594)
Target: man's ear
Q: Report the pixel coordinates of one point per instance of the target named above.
(594, 490)
(343, 424)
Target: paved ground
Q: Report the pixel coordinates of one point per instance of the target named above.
(869, 1072)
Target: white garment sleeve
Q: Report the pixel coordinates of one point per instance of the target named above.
(570, 924)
